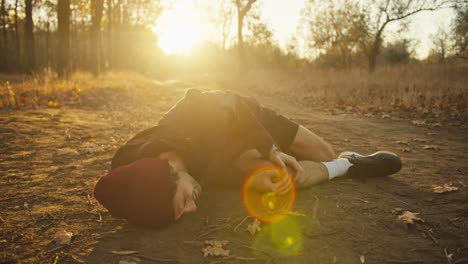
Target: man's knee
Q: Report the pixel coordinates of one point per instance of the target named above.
(309, 146)
(327, 152)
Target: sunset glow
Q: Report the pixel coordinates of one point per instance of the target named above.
(185, 24)
(179, 29)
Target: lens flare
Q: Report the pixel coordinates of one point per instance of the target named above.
(268, 207)
(284, 237)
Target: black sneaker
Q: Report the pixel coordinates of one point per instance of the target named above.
(378, 164)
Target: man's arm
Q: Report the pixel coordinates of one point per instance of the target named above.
(187, 188)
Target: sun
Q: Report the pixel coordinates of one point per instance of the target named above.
(179, 29)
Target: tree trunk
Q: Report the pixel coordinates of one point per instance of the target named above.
(97, 7)
(109, 33)
(48, 43)
(17, 38)
(375, 50)
(29, 37)
(4, 54)
(240, 42)
(63, 17)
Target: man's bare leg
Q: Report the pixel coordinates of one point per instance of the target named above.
(308, 146)
(314, 173)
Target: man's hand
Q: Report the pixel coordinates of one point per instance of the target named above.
(272, 180)
(282, 159)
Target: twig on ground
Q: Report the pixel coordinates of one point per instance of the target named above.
(362, 200)
(453, 222)
(448, 256)
(241, 222)
(89, 199)
(428, 233)
(1, 219)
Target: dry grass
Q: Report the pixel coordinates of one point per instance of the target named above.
(424, 91)
(46, 89)
(412, 91)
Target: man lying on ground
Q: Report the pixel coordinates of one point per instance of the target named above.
(218, 137)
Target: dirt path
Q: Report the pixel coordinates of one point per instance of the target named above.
(343, 221)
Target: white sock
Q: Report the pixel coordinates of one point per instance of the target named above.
(337, 168)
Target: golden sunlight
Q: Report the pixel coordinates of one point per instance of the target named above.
(179, 29)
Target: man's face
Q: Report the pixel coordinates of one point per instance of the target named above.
(187, 191)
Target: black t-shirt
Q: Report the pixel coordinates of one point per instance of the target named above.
(209, 130)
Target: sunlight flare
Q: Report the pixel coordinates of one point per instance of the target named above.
(179, 29)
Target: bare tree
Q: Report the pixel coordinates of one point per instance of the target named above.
(96, 17)
(389, 11)
(4, 55)
(29, 48)
(339, 31)
(63, 17)
(224, 20)
(242, 10)
(441, 43)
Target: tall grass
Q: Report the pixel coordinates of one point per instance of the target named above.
(412, 90)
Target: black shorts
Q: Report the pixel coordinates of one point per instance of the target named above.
(282, 129)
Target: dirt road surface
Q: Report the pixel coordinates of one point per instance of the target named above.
(343, 221)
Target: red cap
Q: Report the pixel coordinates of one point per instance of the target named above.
(140, 192)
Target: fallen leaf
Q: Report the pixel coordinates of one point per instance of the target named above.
(124, 252)
(418, 122)
(431, 147)
(63, 237)
(385, 116)
(443, 188)
(402, 142)
(217, 243)
(215, 248)
(436, 124)
(89, 147)
(254, 227)
(422, 140)
(66, 151)
(404, 149)
(397, 210)
(409, 217)
(462, 184)
(362, 259)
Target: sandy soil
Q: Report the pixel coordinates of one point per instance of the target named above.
(343, 221)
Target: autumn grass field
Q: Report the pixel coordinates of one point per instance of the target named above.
(432, 93)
